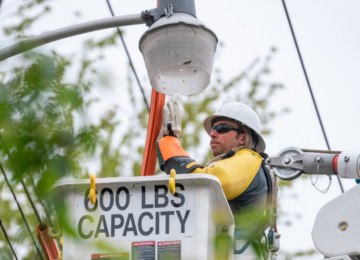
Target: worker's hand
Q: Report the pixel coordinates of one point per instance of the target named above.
(171, 115)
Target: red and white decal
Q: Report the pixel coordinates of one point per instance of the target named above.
(145, 243)
(169, 243)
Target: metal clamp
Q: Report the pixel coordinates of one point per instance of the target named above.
(92, 193)
(288, 164)
(273, 241)
(148, 18)
(169, 11)
(168, 8)
(293, 162)
(172, 181)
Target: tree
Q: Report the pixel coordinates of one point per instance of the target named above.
(41, 114)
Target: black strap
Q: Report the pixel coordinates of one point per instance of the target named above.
(265, 221)
(228, 155)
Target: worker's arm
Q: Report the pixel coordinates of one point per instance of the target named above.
(235, 173)
(172, 156)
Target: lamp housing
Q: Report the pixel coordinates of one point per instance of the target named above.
(179, 52)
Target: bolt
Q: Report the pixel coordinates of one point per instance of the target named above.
(346, 159)
(343, 227)
(318, 159)
(287, 160)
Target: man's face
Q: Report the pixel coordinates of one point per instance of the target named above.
(225, 142)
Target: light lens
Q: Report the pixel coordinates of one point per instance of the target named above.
(179, 56)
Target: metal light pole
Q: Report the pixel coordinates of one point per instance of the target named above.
(69, 31)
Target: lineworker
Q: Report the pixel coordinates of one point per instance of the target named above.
(235, 143)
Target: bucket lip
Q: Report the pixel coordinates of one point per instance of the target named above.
(73, 183)
(176, 18)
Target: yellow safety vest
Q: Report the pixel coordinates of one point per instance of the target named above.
(235, 173)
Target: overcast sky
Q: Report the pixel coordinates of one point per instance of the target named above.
(329, 39)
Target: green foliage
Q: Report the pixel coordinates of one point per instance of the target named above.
(43, 122)
(37, 125)
(27, 18)
(39, 122)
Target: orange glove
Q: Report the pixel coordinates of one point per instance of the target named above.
(172, 156)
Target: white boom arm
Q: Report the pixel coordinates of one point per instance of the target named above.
(336, 231)
(291, 162)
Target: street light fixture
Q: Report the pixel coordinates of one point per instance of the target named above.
(179, 53)
(178, 49)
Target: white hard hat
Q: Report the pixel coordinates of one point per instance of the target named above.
(242, 113)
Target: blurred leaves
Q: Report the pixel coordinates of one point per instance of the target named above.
(37, 122)
(44, 120)
(29, 12)
(39, 112)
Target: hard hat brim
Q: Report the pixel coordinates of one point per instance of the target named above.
(260, 147)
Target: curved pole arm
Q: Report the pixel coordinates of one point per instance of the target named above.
(68, 32)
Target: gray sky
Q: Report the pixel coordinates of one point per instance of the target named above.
(327, 33)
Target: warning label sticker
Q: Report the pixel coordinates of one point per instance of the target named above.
(169, 250)
(143, 250)
(117, 256)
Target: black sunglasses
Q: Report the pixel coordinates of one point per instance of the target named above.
(223, 128)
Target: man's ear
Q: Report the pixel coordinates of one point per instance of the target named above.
(242, 138)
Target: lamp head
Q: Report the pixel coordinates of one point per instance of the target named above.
(179, 52)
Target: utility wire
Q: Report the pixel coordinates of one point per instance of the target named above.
(36, 192)
(22, 182)
(0, 12)
(6, 236)
(128, 55)
(310, 89)
(41, 202)
(20, 209)
(43, 205)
